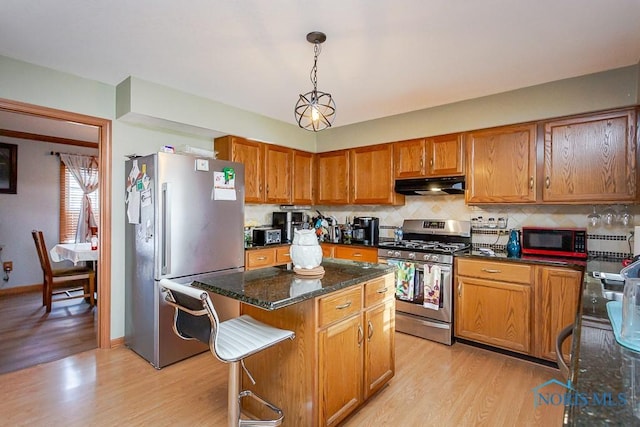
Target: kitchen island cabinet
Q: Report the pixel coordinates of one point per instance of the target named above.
(318, 378)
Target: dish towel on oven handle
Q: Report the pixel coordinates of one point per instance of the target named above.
(432, 286)
(405, 276)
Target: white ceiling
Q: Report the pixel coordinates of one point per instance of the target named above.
(380, 58)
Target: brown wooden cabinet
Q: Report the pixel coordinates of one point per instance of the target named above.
(441, 155)
(493, 304)
(350, 252)
(501, 165)
(379, 319)
(273, 174)
(516, 306)
(266, 257)
(340, 355)
(332, 178)
(591, 158)
(343, 352)
(557, 293)
(251, 154)
(362, 175)
(360, 348)
(303, 178)
(278, 168)
(372, 176)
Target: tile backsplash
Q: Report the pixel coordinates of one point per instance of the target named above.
(602, 239)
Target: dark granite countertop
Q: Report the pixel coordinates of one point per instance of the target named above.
(601, 371)
(249, 248)
(529, 259)
(276, 287)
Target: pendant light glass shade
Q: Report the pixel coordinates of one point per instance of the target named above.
(315, 110)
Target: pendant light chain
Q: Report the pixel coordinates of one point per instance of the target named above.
(314, 70)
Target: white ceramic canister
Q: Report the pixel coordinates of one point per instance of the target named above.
(305, 250)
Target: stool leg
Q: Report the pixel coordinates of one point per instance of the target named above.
(233, 393)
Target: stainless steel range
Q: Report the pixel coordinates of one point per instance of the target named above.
(424, 280)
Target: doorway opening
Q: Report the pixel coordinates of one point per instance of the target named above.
(103, 332)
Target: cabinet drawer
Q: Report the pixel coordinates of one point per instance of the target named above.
(283, 255)
(356, 253)
(378, 290)
(503, 271)
(328, 250)
(339, 305)
(259, 258)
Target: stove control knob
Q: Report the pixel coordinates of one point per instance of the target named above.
(434, 258)
(391, 253)
(426, 257)
(396, 253)
(412, 255)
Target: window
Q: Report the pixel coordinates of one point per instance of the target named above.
(71, 204)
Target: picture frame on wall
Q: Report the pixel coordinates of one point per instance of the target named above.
(8, 168)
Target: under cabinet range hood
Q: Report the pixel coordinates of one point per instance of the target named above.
(430, 186)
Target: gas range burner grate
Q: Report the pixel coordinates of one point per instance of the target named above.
(428, 246)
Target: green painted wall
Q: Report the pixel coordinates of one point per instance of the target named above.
(610, 89)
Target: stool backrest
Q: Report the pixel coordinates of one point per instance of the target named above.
(194, 317)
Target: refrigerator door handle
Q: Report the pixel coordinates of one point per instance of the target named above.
(165, 242)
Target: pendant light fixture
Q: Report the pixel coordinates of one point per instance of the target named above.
(315, 110)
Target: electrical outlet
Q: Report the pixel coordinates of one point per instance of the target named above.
(7, 266)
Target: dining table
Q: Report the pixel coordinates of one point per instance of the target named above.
(74, 252)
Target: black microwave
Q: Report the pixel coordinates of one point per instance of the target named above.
(562, 242)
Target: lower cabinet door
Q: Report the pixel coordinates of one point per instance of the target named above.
(379, 360)
(494, 313)
(340, 369)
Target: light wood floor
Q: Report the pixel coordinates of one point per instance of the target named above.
(435, 385)
(29, 335)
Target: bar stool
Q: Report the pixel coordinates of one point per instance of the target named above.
(230, 341)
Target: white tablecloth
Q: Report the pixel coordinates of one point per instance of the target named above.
(74, 252)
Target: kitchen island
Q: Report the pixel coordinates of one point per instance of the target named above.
(344, 349)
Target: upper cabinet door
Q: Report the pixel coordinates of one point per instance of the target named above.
(332, 178)
(409, 158)
(278, 176)
(251, 154)
(303, 178)
(372, 175)
(591, 158)
(445, 155)
(501, 165)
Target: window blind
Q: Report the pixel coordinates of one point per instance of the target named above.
(71, 203)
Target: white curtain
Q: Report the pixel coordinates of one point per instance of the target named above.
(85, 170)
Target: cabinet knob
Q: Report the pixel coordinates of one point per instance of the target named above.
(547, 182)
(459, 288)
(531, 183)
(382, 291)
(360, 335)
(491, 270)
(370, 328)
(431, 163)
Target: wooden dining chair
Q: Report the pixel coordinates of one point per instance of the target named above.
(62, 281)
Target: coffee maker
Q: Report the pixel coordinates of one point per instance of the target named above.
(365, 230)
(287, 222)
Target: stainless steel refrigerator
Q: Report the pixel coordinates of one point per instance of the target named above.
(184, 218)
